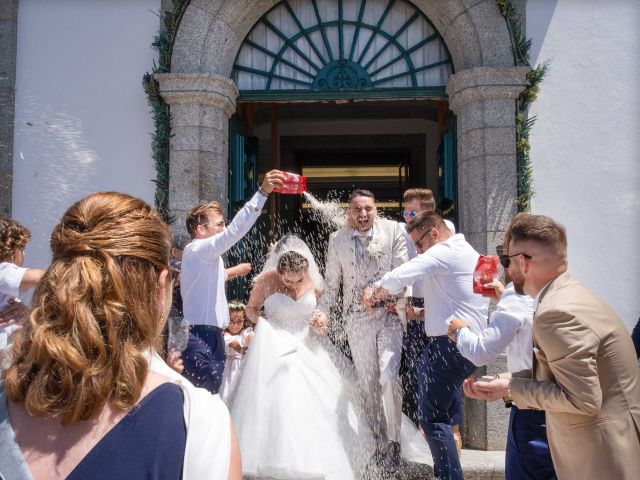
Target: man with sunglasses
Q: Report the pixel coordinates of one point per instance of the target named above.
(414, 201)
(584, 372)
(445, 266)
(510, 328)
(203, 281)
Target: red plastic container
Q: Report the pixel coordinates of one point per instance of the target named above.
(293, 183)
(486, 271)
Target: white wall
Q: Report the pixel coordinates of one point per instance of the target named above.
(586, 142)
(82, 123)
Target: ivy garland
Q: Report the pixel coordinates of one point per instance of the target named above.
(521, 52)
(163, 43)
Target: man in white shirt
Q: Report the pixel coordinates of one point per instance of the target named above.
(415, 200)
(202, 280)
(528, 456)
(445, 265)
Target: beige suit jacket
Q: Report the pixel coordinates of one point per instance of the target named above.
(585, 376)
(390, 252)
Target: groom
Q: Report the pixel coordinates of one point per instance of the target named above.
(359, 254)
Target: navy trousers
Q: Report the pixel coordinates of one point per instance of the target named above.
(413, 345)
(441, 371)
(205, 357)
(528, 455)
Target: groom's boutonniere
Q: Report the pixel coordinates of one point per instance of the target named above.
(373, 249)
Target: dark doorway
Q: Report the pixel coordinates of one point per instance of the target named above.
(335, 166)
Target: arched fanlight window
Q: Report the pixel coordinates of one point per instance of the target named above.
(342, 49)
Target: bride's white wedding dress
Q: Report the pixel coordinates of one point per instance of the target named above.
(294, 409)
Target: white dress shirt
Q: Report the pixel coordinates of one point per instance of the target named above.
(446, 271)
(202, 276)
(416, 289)
(510, 327)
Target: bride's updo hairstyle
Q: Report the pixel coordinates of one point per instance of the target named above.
(292, 262)
(94, 313)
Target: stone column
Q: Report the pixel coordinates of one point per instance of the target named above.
(8, 42)
(201, 105)
(483, 100)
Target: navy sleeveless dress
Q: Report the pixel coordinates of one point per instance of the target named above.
(148, 443)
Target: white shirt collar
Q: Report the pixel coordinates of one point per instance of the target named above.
(536, 300)
(357, 233)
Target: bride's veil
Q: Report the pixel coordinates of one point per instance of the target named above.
(291, 243)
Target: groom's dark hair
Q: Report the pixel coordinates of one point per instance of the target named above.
(359, 192)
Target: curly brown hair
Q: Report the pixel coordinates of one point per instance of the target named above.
(94, 313)
(13, 237)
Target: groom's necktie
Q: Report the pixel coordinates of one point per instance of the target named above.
(362, 242)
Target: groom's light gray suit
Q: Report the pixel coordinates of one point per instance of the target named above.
(375, 338)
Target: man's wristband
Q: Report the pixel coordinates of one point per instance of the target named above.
(262, 192)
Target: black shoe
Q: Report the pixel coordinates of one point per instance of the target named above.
(392, 460)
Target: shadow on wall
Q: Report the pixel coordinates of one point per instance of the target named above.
(538, 18)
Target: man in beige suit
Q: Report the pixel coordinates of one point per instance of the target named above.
(585, 373)
(359, 254)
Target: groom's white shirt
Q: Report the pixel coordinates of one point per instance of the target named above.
(202, 276)
(446, 271)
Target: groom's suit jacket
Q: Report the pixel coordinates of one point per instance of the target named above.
(388, 250)
(585, 376)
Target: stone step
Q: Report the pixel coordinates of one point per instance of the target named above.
(476, 465)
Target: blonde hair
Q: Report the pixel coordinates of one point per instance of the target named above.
(94, 313)
(423, 195)
(198, 216)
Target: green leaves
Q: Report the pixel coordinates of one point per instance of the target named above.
(162, 42)
(521, 53)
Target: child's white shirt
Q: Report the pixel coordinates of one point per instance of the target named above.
(10, 279)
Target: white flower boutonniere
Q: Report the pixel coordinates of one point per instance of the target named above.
(373, 249)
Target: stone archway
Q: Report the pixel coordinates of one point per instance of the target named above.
(481, 93)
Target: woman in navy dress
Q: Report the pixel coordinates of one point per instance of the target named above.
(84, 396)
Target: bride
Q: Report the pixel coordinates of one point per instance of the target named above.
(295, 407)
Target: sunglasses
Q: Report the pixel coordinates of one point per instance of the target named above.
(505, 260)
(409, 213)
(419, 242)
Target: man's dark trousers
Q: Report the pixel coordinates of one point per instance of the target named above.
(205, 357)
(441, 371)
(528, 455)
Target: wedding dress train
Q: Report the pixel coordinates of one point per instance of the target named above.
(295, 408)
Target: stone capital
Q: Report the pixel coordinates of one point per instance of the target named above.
(199, 89)
(485, 83)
